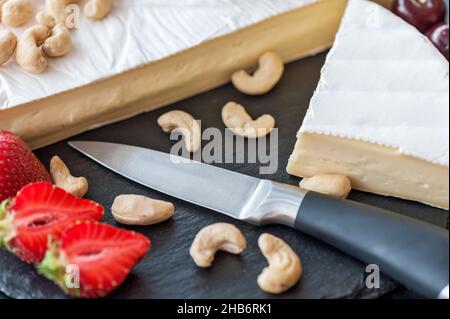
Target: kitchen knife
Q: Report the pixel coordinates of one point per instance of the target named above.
(414, 253)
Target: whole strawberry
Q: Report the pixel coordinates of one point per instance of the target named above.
(40, 212)
(91, 259)
(18, 166)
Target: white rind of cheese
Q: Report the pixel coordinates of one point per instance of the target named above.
(137, 32)
(384, 83)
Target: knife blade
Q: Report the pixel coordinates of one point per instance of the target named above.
(233, 194)
(414, 253)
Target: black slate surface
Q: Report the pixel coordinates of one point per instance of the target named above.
(168, 271)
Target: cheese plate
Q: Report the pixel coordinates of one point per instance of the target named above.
(168, 271)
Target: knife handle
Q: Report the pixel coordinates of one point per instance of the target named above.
(414, 253)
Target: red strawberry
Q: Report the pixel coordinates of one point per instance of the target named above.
(102, 256)
(18, 166)
(38, 211)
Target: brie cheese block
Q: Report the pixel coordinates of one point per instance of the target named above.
(150, 53)
(380, 114)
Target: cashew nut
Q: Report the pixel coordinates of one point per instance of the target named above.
(54, 17)
(97, 9)
(140, 210)
(60, 42)
(55, 12)
(77, 186)
(2, 2)
(29, 54)
(285, 267)
(185, 124)
(235, 117)
(8, 43)
(212, 238)
(268, 74)
(17, 12)
(46, 19)
(338, 186)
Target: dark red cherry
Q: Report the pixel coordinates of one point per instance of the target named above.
(439, 36)
(423, 14)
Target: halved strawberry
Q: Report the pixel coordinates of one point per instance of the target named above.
(40, 211)
(102, 255)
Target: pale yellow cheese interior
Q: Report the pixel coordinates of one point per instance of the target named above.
(372, 168)
(295, 34)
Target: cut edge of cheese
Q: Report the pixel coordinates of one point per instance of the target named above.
(306, 31)
(371, 168)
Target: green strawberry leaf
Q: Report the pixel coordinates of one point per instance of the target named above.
(50, 267)
(5, 224)
(3, 206)
(53, 267)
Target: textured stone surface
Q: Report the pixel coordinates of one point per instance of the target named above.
(168, 271)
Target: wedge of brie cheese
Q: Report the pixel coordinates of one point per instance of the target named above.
(380, 114)
(149, 53)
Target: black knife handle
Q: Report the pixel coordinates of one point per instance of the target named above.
(414, 253)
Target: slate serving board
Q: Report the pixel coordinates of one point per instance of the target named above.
(168, 271)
